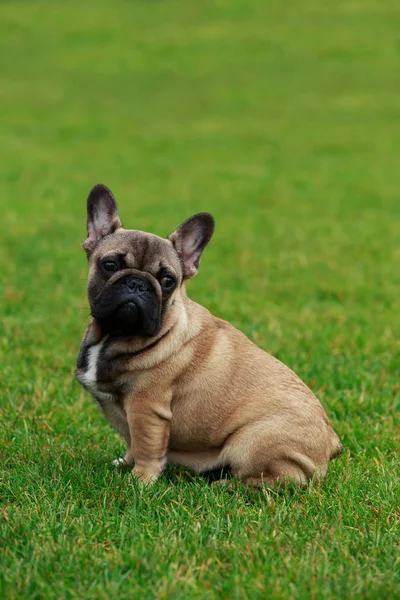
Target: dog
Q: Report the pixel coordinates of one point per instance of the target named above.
(177, 383)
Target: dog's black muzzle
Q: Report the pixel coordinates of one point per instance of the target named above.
(129, 305)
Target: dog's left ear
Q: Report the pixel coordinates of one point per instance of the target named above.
(102, 216)
(190, 239)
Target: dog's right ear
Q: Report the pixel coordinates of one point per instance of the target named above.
(102, 216)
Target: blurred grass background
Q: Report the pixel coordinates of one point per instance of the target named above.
(282, 119)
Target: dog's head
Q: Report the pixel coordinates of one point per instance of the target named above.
(134, 276)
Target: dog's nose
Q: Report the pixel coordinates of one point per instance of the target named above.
(135, 284)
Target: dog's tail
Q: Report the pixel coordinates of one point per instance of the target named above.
(338, 449)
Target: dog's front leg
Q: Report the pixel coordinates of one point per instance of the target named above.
(149, 426)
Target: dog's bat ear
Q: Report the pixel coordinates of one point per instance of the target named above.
(102, 216)
(190, 239)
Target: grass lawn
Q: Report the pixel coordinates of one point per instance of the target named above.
(283, 120)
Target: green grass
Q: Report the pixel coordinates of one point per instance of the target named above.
(283, 120)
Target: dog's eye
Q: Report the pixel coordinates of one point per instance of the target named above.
(167, 282)
(109, 266)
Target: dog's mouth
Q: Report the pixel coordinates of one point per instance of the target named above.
(128, 308)
(129, 319)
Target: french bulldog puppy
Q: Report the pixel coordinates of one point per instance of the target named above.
(177, 383)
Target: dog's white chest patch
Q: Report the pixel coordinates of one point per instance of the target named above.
(89, 377)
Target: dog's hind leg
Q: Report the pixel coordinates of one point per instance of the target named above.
(261, 453)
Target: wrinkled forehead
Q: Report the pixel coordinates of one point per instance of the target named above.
(140, 250)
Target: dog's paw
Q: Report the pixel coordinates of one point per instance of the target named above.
(144, 479)
(120, 462)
